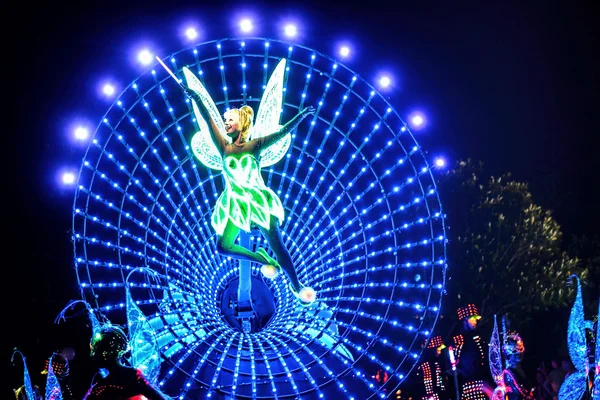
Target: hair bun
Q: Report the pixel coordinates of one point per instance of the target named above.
(248, 110)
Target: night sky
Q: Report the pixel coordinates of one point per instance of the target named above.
(513, 84)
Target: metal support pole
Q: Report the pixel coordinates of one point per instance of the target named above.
(244, 304)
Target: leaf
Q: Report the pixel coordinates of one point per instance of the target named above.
(503, 235)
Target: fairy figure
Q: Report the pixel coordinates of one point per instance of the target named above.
(505, 357)
(120, 377)
(117, 380)
(579, 382)
(240, 148)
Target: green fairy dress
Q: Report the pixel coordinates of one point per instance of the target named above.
(246, 199)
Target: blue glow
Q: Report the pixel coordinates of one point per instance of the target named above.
(53, 390)
(145, 353)
(27, 386)
(574, 386)
(363, 217)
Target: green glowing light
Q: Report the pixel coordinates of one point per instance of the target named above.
(246, 199)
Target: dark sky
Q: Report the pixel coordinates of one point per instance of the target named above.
(514, 84)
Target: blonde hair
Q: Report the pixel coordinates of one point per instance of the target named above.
(245, 115)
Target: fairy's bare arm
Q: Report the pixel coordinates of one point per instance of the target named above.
(287, 128)
(215, 133)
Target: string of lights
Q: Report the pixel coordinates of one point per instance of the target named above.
(363, 223)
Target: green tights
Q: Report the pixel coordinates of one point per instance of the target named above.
(226, 246)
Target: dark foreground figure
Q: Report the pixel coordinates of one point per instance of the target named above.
(117, 381)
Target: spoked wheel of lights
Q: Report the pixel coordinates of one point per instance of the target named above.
(364, 226)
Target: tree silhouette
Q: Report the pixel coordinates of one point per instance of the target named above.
(506, 253)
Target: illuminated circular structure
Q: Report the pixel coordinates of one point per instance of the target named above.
(364, 225)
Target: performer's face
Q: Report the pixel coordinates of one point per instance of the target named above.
(472, 322)
(232, 122)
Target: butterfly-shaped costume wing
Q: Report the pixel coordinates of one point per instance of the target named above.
(268, 117)
(574, 387)
(145, 352)
(203, 146)
(267, 121)
(495, 355)
(596, 393)
(53, 389)
(496, 366)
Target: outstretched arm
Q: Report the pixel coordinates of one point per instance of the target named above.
(287, 128)
(215, 134)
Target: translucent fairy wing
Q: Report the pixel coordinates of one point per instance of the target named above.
(203, 146)
(27, 385)
(142, 339)
(573, 388)
(94, 321)
(268, 116)
(576, 333)
(53, 390)
(495, 355)
(143, 342)
(597, 360)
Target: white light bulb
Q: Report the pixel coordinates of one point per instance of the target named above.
(68, 178)
(417, 120)
(145, 57)
(291, 30)
(108, 89)
(246, 25)
(81, 133)
(191, 33)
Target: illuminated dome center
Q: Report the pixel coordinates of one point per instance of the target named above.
(364, 226)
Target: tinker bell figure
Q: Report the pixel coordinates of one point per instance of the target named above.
(240, 148)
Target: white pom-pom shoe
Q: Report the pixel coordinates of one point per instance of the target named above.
(306, 295)
(271, 268)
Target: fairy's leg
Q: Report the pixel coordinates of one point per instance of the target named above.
(226, 245)
(284, 258)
